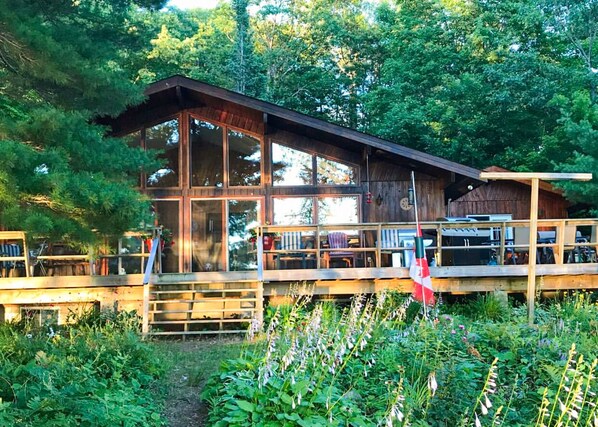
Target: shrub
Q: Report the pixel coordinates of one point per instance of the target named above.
(94, 373)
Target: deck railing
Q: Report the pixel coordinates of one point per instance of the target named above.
(448, 243)
(375, 245)
(39, 258)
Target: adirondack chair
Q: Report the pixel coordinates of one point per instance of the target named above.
(10, 250)
(291, 241)
(338, 240)
(390, 241)
(390, 238)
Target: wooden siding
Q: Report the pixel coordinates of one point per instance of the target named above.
(392, 182)
(507, 197)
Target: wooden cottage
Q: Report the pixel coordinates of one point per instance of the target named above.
(233, 162)
(237, 171)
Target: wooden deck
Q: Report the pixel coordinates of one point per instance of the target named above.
(225, 302)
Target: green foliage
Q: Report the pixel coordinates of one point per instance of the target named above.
(61, 66)
(95, 373)
(366, 366)
(481, 83)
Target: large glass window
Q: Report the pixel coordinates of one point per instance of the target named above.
(207, 166)
(290, 166)
(164, 137)
(294, 167)
(293, 210)
(243, 215)
(335, 173)
(244, 159)
(338, 210)
(300, 210)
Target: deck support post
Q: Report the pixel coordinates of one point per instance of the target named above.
(533, 242)
(535, 178)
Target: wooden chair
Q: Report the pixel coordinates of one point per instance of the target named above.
(291, 241)
(390, 242)
(572, 252)
(521, 246)
(10, 250)
(338, 240)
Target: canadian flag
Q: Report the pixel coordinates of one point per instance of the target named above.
(420, 272)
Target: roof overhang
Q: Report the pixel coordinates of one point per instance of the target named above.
(168, 96)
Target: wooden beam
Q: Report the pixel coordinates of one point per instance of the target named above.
(548, 176)
(533, 251)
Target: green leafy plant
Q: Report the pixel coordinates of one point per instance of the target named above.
(367, 366)
(96, 372)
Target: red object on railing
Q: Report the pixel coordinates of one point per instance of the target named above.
(268, 242)
(368, 198)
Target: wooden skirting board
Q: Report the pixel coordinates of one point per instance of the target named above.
(220, 302)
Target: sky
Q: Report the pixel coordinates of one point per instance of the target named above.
(188, 4)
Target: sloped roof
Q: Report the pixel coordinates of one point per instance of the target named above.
(284, 114)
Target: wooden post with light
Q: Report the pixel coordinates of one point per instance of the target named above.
(535, 178)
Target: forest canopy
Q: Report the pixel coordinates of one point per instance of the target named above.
(509, 83)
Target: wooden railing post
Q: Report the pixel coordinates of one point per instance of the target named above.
(559, 253)
(379, 245)
(260, 255)
(439, 244)
(533, 251)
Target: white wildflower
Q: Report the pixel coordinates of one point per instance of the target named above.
(484, 409)
(478, 423)
(254, 328)
(487, 401)
(432, 384)
(562, 406)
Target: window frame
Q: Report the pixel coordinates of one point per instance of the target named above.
(225, 152)
(314, 166)
(315, 205)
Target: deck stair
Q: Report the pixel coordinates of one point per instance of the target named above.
(192, 308)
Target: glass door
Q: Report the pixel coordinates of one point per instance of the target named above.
(168, 217)
(207, 230)
(243, 215)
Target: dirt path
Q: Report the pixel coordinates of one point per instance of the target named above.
(190, 364)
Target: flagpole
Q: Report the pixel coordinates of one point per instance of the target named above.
(414, 198)
(417, 233)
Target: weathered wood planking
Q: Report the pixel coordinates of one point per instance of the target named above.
(507, 197)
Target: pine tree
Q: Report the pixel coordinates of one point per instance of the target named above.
(60, 175)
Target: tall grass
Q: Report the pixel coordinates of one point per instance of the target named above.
(373, 364)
